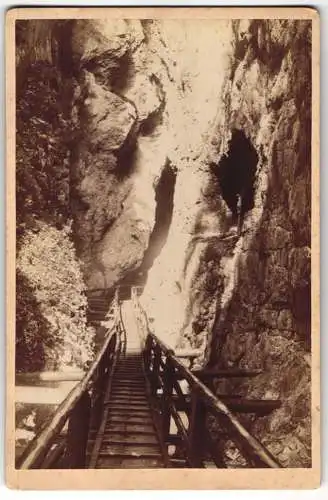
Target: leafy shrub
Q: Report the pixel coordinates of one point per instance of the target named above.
(32, 339)
(43, 139)
(48, 263)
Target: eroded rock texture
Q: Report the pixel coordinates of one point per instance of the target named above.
(263, 278)
(119, 104)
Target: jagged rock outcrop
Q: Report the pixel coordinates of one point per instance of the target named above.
(117, 158)
(262, 278)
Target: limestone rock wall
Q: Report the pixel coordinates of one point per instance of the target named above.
(115, 166)
(262, 278)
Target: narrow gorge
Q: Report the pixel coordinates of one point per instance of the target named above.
(176, 155)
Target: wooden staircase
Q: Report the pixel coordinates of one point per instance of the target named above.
(126, 436)
(141, 407)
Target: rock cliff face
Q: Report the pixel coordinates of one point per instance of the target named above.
(194, 119)
(144, 98)
(262, 277)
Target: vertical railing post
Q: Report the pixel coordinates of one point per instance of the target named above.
(77, 433)
(168, 376)
(156, 367)
(147, 355)
(196, 431)
(100, 383)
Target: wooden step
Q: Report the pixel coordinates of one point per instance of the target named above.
(133, 368)
(129, 419)
(126, 400)
(137, 388)
(128, 383)
(129, 463)
(131, 362)
(128, 391)
(133, 451)
(125, 427)
(132, 396)
(177, 463)
(130, 438)
(127, 409)
(145, 428)
(128, 442)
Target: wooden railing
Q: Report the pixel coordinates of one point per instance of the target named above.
(62, 442)
(190, 416)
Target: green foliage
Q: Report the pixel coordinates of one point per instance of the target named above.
(51, 329)
(44, 134)
(32, 339)
(48, 262)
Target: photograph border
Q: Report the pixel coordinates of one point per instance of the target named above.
(300, 478)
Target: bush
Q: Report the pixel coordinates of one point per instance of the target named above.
(32, 339)
(50, 270)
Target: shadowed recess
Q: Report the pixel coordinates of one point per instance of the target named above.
(164, 195)
(236, 172)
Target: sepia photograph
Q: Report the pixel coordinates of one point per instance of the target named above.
(164, 207)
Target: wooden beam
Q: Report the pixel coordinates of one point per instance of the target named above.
(235, 403)
(221, 410)
(188, 353)
(209, 373)
(257, 406)
(46, 437)
(49, 376)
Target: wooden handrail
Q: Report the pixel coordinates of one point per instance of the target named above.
(250, 447)
(217, 407)
(45, 438)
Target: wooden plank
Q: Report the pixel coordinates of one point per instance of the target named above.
(77, 433)
(136, 430)
(211, 446)
(129, 394)
(129, 391)
(140, 409)
(178, 463)
(122, 450)
(127, 402)
(258, 406)
(188, 353)
(196, 431)
(54, 455)
(143, 427)
(225, 373)
(130, 438)
(182, 431)
(221, 410)
(49, 376)
(168, 377)
(130, 419)
(104, 417)
(131, 398)
(129, 463)
(46, 437)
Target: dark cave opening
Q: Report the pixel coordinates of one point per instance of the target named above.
(164, 196)
(236, 173)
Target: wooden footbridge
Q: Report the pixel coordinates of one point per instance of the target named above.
(140, 406)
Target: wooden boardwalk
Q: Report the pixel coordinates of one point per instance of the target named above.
(140, 406)
(126, 437)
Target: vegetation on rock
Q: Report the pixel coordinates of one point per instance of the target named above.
(47, 259)
(51, 327)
